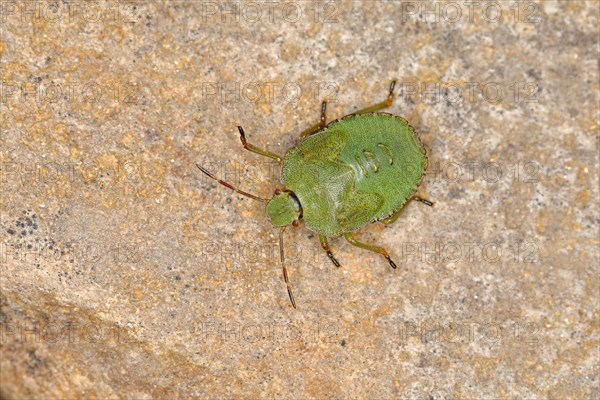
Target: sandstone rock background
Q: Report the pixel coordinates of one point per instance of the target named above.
(127, 274)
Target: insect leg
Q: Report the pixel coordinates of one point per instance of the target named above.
(395, 215)
(384, 104)
(315, 128)
(325, 247)
(284, 270)
(424, 201)
(365, 246)
(255, 149)
(392, 218)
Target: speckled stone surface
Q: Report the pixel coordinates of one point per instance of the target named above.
(125, 273)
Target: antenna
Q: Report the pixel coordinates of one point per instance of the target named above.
(284, 270)
(227, 185)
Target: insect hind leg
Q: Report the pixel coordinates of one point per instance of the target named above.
(391, 219)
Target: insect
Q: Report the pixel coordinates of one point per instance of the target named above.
(356, 170)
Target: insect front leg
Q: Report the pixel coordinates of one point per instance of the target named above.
(325, 247)
(384, 104)
(317, 127)
(365, 246)
(254, 149)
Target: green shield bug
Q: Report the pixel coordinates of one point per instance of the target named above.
(356, 170)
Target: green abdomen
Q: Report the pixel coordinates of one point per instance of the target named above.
(357, 170)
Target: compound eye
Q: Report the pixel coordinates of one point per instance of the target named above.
(295, 223)
(277, 191)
